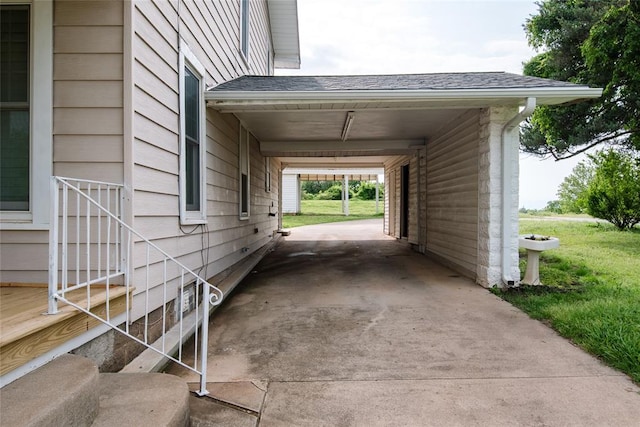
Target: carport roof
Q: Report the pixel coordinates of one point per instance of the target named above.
(363, 119)
(432, 81)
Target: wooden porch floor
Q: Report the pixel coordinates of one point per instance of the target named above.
(26, 332)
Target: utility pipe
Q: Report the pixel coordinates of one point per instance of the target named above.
(507, 188)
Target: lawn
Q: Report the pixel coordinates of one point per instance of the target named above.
(591, 291)
(321, 211)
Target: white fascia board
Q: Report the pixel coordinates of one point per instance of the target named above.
(285, 35)
(221, 99)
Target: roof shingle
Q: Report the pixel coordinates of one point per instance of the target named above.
(433, 81)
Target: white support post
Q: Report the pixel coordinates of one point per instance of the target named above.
(53, 246)
(204, 336)
(346, 195)
(377, 195)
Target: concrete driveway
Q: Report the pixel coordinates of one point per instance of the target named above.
(343, 326)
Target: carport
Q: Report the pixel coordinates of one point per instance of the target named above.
(448, 144)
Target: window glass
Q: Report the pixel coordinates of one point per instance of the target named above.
(192, 139)
(14, 108)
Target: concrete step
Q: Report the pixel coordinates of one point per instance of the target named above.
(142, 399)
(64, 392)
(69, 391)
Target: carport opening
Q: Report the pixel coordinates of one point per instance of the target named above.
(335, 194)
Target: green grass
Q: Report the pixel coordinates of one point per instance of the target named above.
(322, 211)
(591, 291)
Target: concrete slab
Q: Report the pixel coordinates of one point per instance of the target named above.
(206, 412)
(142, 399)
(343, 310)
(245, 394)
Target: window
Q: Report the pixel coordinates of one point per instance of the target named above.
(267, 174)
(192, 139)
(14, 108)
(25, 113)
(244, 28)
(243, 156)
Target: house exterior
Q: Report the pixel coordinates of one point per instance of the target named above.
(175, 104)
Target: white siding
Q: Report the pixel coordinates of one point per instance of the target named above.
(211, 31)
(87, 117)
(393, 195)
(290, 193)
(452, 194)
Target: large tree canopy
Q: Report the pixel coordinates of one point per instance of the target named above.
(592, 42)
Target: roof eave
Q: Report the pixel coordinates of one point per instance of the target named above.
(283, 21)
(548, 94)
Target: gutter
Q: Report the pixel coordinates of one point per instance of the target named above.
(222, 97)
(507, 171)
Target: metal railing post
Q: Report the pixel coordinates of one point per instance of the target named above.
(204, 338)
(53, 246)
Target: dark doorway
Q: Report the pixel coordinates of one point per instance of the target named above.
(404, 202)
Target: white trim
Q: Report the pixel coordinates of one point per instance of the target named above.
(267, 174)
(508, 278)
(244, 166)
(245, 30)
(188, 59)
(218, 98)
(41, 122)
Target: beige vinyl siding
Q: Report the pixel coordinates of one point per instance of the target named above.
(393, 194)
(211, 32)
(452, 193)
(87, 117)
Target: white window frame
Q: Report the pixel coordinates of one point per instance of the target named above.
(267, 174)
(245, 25)
(244, 167)
(192, 217)
(40, 121)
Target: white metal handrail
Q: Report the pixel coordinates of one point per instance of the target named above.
(91, 246)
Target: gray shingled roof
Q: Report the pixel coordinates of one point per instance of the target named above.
(434, 81)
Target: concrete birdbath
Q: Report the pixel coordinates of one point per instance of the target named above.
(535, 244)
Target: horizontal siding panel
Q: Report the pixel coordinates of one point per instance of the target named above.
(87, 148)
(85, 39)
(156, 158)
(152, 204)
(158, 113)
(87, 121)
(98, 171)
(82, 12)
(155, 181)
(87, 66)
(151, 133)
(452, 192)
(87, 94)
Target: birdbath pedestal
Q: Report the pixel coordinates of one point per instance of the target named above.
(535, 244)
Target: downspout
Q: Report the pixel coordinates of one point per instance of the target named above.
(507, 188)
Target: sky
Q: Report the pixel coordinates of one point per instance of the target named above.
(426, 36)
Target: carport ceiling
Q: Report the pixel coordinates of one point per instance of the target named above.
(333, 117)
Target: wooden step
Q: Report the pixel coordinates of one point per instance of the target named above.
(28, 332)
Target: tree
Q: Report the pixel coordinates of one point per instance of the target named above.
(572, 192)
(554, 206)
(590, 42)
(614, 192)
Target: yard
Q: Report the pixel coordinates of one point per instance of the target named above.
(321, 211)
(592, 289)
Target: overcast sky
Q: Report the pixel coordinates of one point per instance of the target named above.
(426, 36)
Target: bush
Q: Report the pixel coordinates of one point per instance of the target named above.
(367, 191)
(332, 193)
